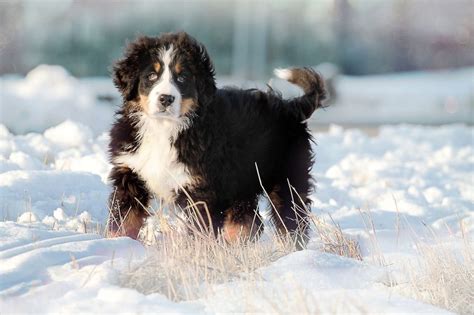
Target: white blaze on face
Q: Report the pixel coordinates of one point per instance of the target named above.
(165, 86)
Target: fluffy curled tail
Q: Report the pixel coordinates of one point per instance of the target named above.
(313, 86)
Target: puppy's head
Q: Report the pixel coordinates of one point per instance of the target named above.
(165, 77)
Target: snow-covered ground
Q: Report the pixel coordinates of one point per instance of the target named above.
(404, 186)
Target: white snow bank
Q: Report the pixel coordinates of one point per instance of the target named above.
(423, 172)
(409, 183)
(67, 146)
(47, 96)
(68, 134)
(312, 282)
(38, 256)
(44, 271)
(65, 167)
(418, 97)
(40, 192)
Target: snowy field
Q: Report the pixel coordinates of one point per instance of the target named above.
(406, 187)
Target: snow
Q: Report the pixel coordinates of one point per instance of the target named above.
(47, 96)
(326, 283)
(418, 97)
(409, 182)
(33, 166)
(425, 170)
(43, 257)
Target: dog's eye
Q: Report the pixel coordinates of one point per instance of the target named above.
(180, 79)
(152, 76)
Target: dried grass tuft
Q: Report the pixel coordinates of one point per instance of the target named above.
(185, 266)
(442, 278)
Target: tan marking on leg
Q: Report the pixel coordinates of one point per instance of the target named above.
(187, 104)
(244, 230)
(233, 232)
(130, 226)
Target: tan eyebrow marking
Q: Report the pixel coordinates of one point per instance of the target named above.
(157, 67)
(178, 68)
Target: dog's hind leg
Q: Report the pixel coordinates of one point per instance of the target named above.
(201, 211)
(290, 197)
(242, 222)
(237, 222)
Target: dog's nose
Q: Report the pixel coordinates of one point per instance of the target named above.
(166, 100)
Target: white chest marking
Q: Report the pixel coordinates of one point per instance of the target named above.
(156, 159)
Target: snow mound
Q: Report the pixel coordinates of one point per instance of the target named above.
(66, 167)
(40, 192)
(68, 134)
(43, 77)
(312, 282)
(47, 96)
(52, 255)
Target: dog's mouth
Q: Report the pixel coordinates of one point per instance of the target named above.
(164, 111)
(164, 114)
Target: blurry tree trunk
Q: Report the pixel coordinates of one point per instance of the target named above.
(342, 26)
(241, 38)
(250, 39)
(11, 22)
(401, 37)
(259, 40)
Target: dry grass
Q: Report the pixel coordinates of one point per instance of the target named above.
(442, 278)
(333, 240)
(186, 266)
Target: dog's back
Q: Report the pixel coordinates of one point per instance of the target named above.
(242, 130)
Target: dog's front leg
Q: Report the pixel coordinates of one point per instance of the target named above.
(128, 203)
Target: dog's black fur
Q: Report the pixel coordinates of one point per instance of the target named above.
(230, 134)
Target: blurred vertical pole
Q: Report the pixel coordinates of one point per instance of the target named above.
(342, 26)
(259, 40)
(250, 39)
(401, 41)
(240, 50)
(11, 36)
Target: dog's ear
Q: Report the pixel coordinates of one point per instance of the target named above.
(125, 76)
(206, 82)
(205, 73)
(127, 70)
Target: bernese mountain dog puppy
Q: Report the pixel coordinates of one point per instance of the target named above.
(180, 139)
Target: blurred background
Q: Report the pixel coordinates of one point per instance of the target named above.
(385, 61)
